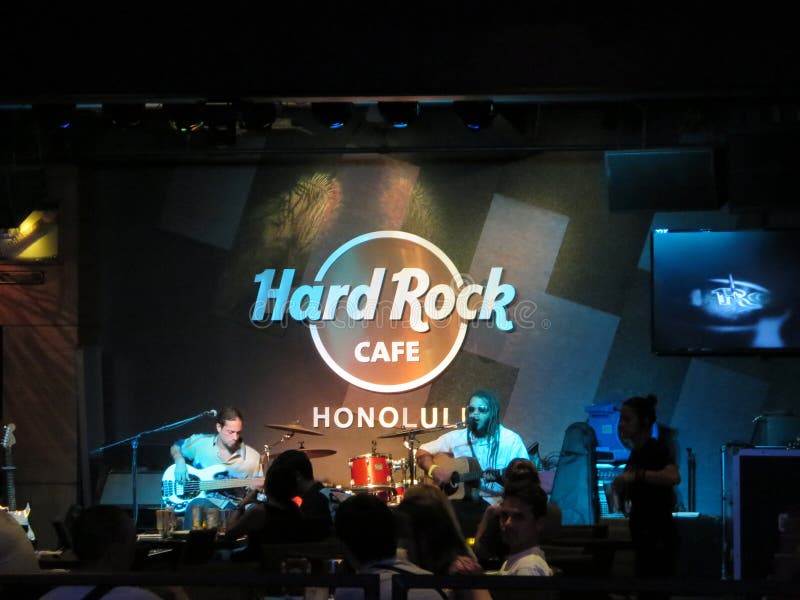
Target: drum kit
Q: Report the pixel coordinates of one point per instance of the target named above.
(372, 473)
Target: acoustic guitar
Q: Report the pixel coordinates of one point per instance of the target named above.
(198, 482)
(465, 476)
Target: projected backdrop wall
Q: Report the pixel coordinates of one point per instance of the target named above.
(176, 290)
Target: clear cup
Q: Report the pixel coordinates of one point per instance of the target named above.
(197, 517)
(212, 518)
(161, 520)
(170, 521)
(224, 518)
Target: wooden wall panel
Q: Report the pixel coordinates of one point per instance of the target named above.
(40, 371)
(39, 392)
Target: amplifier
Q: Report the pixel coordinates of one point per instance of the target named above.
(765, 483)
(118, 489)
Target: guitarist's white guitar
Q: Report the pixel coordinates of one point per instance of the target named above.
(6, 441)
(198, 482)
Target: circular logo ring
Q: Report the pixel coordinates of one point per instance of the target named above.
(437, 369)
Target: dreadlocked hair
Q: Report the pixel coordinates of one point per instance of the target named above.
(493, 424)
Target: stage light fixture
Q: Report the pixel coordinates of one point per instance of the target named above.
(334, 115)
(185, 118)
(399, 114)
(221, 119)
(257, 116)
(476, 115)
(55, 116)
(124, 115)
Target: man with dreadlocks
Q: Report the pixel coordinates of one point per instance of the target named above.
(484, 439)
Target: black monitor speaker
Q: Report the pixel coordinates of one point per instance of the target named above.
(118, 489)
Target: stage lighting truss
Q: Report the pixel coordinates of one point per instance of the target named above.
(125, 116)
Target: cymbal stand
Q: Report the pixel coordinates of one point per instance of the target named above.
(267, 447)
(412, 444)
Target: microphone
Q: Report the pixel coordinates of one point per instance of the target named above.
(455, 425)
(210, 413)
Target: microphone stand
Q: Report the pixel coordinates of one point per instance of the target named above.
(134, 442)
(412, 444)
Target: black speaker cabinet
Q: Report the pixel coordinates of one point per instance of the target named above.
(776, 430)
(118, 489)
(761, 169)
(669, 179)
(765, 483)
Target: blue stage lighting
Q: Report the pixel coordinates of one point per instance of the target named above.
(476, 115)
(399, 114)
(334, 115)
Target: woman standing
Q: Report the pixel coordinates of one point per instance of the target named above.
(647, 483)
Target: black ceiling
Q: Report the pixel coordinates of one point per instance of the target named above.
(225, 55)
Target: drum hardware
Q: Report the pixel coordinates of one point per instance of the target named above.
(410, 432)
(293, 428)
(412, 444)
(265, 454)
(316, 452)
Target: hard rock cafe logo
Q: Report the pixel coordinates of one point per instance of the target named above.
(388, 311)
(731, 299)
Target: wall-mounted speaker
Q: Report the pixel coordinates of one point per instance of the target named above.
(662, 180)
(761, 169)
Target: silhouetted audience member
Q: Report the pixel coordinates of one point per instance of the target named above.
(368, 531)
(273, 520)
(16, 550)
(314, 506)
(104, 540)
(432, 538)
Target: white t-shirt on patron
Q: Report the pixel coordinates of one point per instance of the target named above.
(527, 562)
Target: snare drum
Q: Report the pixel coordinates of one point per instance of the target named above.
(370, 471)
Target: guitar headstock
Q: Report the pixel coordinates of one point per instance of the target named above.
(8, 436)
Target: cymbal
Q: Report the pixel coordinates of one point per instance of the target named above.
(315, 452)
(410, 432)
(293, 428)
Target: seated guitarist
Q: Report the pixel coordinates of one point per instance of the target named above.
(226, 447)
(485, 440)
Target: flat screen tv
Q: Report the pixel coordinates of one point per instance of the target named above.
(725, 292)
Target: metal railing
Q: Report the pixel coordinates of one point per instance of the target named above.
(403, 583)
